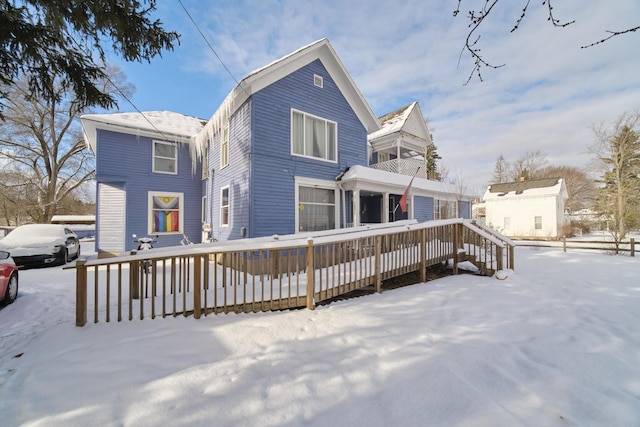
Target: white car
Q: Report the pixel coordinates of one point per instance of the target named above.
(41, 245)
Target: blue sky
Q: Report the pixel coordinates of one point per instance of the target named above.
(547, 97)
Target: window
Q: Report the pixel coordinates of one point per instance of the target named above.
(165, 213)
(318, 80)
(203, 210)
(316, 208)
(445, 209)
(205, 163)
(224, 148)
(313, 137)
(165, 157)
(507, 222)
(224, 206)
(538, 221)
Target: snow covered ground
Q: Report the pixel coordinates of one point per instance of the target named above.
(555, 344)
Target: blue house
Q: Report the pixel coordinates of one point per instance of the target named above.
(288, 150)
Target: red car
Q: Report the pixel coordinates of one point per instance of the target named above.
(8, 279)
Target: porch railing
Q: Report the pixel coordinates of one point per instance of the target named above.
(403, 166)
(275, 273)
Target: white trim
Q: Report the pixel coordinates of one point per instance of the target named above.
(153, 157)
(317, 183)
(335, 136)
(228, 206)
(318, 81)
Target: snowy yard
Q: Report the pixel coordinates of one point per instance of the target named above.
(556, 344)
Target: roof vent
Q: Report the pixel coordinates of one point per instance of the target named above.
(317, 80)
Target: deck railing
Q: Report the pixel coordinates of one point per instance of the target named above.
(280, 272)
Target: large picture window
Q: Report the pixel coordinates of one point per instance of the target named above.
(224, 206)
(316, 208)
(165, 157)
(166, 212)
(313, 137)
(445, 209)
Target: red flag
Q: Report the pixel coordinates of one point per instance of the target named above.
(403, 199)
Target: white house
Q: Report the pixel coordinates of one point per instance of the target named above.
(533, 208)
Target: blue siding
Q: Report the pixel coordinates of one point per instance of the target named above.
(423, 208)
(273, 166)
(464, 209)
(235, 175)
(128, 159)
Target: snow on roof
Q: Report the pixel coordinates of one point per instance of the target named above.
(533, 187)
(383, 178)
(393, 122)
(166, 125)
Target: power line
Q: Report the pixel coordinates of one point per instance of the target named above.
(209, 44)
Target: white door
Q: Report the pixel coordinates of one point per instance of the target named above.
(111, 218)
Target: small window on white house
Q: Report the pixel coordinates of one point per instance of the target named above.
(165, 157)
(313, 136)
(538, 221)
(224, 206)
(507, 222)
(318, 80)
(224, 147)
(166, 212)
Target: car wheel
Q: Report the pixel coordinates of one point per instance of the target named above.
(12, 290)
(64, 256)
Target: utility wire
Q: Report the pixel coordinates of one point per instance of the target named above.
(209, 44)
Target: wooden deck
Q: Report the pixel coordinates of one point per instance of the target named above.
(277, 273)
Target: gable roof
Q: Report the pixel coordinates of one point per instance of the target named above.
(263, 77)
(533, 187)
(405, 126)
(166, 125)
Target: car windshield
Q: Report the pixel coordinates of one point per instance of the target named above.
(29, 232)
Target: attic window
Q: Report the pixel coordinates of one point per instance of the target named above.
(317, 80)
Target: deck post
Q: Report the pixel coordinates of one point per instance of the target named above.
(499, 254)
(456, 241)
(512, 254)
(310, 276)
(197, 283)
(423, 255)
(81, 293)
(378, 266)
(633, 246)
(134, 277)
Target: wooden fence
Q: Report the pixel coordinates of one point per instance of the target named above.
(608, 246)
(279, 272)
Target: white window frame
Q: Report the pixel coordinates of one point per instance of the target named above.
(174, 159)
(225, 207)
(328, 149)
(151, 219)
(224, 147)
(537, 224)
(203, 210)
(450, 207)
(205, 162)
(316, 183)
(318, 81)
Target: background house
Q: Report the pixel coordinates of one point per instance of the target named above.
(533, 208)
(287, 151)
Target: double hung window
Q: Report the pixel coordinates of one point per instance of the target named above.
(313, 136)
(165, 157)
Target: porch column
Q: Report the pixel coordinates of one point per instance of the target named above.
(356, 207)
(385, 207)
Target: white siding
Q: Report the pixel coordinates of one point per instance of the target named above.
(111, 214)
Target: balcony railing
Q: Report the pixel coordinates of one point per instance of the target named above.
(403, 166)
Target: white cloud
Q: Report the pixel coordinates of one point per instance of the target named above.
(547, 96)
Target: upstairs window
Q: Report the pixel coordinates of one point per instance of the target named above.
(313, 137)
(165, 157)
(224, 147)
